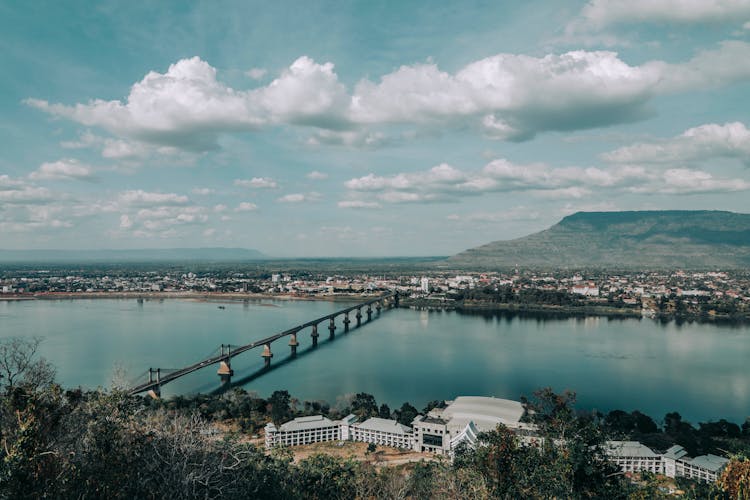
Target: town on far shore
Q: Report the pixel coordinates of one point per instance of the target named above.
(690, 295)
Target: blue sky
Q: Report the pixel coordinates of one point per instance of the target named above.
(363, 128)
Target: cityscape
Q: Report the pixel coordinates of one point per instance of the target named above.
(367, 250)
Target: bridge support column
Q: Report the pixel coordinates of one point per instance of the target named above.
(293, 343)
(314, 335)
(155, 392)
(225, 371)
(378, 306)
(369, 313)
(346, 322)
(332, 329)
(359, 316)
(267, 355)
(395, 300)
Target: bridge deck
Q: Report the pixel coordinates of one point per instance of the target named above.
(239, 350)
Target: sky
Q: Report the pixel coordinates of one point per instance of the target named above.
(412, 128)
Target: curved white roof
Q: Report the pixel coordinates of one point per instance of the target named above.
(485, 412)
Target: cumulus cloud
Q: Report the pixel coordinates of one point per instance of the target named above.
(445, 183)
(257, 183)
(705, 142)
(203, 191)
(256, 73)
(358, 204)
(597, 14)
(138, 197)
(508, 96)
(62, 170)
(317, 176)
(246, 206)
(300, 197)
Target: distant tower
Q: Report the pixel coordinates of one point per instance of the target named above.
(425, 284)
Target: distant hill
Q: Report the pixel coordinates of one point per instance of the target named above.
(138, 255)
(646, 240)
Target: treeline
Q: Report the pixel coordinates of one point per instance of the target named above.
(57, 443)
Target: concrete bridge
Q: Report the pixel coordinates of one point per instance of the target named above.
(157, 377)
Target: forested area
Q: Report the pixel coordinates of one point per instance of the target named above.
(57, 443)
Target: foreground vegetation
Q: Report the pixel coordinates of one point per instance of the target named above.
(57, 443)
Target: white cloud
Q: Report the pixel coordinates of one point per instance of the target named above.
(139, 197)
(358, 204)
(597, 14)
(512, 97)
(362, 139)
(521, 213)
(705, 142)
(256, 73)
(203, 191)
(246, 206)
(220, 208)
(62, 170)
(300, 197)
(316, 176)
(445, 183)
(257, 183)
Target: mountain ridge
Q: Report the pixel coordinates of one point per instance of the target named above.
(628, 239)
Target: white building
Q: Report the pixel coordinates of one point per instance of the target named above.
(632, 456)
(442, 429)
(704, 467)
(425, 285)
(382, 432)
(306, 430)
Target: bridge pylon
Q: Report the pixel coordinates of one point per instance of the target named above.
(369, 312)
(155, 391)
(332, 328)
(225, 371)
(267, 355)
(359, 316)
(293, 343)
(346, 322)
(314, 335)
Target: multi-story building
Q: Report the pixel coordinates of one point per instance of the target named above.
(306, 430)
(382, 432)
(704, 467)
(632, 456)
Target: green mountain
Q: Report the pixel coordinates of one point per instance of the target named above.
(644, 240)
(217, 254)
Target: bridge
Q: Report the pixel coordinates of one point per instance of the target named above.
(157, 377)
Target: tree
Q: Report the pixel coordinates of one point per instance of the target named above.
(384, 411)
(280, 410)
(735, 479)
(19, 364)
(364, 406)
(406, 414)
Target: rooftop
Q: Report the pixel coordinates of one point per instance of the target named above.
(384, 425)
(305, 423)
(629, 449)
(676, 452)
(709, 462)
(485, 412)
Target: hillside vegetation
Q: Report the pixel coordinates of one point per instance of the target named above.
(624, 240)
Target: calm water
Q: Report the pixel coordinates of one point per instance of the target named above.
(702, 371)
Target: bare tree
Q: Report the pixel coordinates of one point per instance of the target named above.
(20, 365)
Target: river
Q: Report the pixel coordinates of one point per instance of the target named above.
(700, 370)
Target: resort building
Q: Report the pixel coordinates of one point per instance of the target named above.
(704, 467)
(632, 456)
(382, 432)
(443, 429)
(306, 430)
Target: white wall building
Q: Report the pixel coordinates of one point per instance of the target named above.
(306, 430)
(632, 456)
(382, 432)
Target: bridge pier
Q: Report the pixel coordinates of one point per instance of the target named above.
(378, 306)
(225, 371)
(267, 355)
(293, 343)
(395, 300)
(359, 316)
(155, 392)
(332, 329)
(346, 322)
(369, 313)
(314, 335)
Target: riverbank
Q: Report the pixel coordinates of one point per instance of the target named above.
(199, 296)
